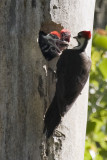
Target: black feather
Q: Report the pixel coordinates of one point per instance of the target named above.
(52, 118)
(72, 73)
(48, 50)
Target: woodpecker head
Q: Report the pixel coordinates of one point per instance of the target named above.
(82, 37)
(51, 44)
(60, 44)
(65, 35)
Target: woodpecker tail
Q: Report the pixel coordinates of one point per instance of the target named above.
(52, 118)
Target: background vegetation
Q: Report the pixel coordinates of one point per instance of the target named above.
(96, 139)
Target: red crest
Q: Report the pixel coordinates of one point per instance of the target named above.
(87, 34)
(56, 33)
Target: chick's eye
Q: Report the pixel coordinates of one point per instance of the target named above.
(63, 34)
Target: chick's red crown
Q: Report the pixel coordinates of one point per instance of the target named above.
(56, 33)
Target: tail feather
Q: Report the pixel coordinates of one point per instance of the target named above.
(52, 119)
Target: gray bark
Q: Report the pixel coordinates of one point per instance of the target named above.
(26, 90)
(100, 14)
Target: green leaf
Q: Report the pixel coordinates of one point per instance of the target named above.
(87, 155)
(98, 157)
(103, 67)
(99, 137)
(103, 153)
(90, 126)
(95, 57)
(100, 41)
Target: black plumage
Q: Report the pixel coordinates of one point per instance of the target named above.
(49, 51)
(51, 45)
(72, 73)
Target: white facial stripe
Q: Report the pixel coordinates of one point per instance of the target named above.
(81, 42)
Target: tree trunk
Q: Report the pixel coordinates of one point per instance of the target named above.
(26, 88)
(100, 14)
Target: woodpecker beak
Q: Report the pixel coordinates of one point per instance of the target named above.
(75, 37)
(62, 45)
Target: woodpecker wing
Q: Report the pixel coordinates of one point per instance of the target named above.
(72, 73)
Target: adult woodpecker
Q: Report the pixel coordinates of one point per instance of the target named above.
(51, 44)
(73, 69)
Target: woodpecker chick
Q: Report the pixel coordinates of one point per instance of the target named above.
(65, 35)
(73, 69)
(51, 44)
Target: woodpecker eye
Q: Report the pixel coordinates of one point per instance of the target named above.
(54, 36)
(79, 36)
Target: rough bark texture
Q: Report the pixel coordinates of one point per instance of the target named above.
(25, 88)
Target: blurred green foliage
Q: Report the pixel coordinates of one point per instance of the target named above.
(96, 134)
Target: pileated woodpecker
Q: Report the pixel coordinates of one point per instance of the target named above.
(65, 35)
(51, 44)
(73, 69)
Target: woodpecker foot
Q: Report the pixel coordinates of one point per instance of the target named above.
(59, 134)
